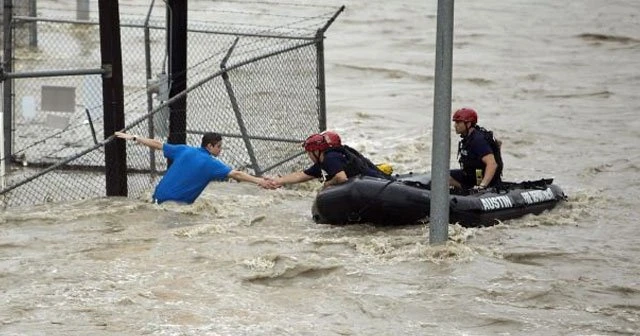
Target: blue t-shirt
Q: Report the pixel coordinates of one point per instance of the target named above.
(190, 172)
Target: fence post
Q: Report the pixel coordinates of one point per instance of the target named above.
(439, 207)
(115, 154)
(2, 160)
(8, 83)
(147, 57)
(177, 14)
(322, 93)
(322, 96)
(33, 26)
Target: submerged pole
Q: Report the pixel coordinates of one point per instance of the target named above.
(439, 213)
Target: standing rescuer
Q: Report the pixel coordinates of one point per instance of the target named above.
(478, 153)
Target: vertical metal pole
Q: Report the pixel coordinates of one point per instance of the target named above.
(177, 9)
(115, 154)
(322, 92)
(2, 160)
(161, 118)
(147, 57)
(439, 215)
(82, 10)
(33, 26)
(322, 97)
(8, 83)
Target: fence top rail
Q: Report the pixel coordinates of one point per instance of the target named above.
(153, 26)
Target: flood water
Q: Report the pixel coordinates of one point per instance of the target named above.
(556, 81)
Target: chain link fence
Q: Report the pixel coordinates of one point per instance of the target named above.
(261, 87)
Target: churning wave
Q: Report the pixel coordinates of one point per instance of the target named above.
(599, 38)
(388, 73)
(600, 94)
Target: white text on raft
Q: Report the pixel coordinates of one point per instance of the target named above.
(538, 196)
(495, 203)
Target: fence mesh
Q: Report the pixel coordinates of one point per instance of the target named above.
(264, 106)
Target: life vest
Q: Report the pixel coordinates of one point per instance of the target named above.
(358, 164)
(470, 162)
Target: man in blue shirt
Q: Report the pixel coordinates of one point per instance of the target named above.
(338, 162)
(192, 168)
(478, 153)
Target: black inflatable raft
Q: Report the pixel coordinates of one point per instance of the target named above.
(407, 201)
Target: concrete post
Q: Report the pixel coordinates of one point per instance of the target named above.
(439, 213)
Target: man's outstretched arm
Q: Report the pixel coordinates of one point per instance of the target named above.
(292, 178)
(151, 143)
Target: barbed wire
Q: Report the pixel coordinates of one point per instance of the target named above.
(65, 13)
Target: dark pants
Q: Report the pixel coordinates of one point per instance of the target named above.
(463, 178)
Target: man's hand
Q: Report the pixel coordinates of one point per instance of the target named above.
(123, 135)
(268, 183)
(271, 183)
(339, 178)
(478, 188)
(151, 143)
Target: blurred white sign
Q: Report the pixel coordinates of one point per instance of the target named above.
(29, 107)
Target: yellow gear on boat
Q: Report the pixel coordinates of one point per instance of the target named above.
(385, 168)
(479, 176)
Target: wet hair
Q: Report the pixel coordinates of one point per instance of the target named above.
(210, 138)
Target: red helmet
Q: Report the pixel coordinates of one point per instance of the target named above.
(467, 115)
(332, 138)
(315, 142)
